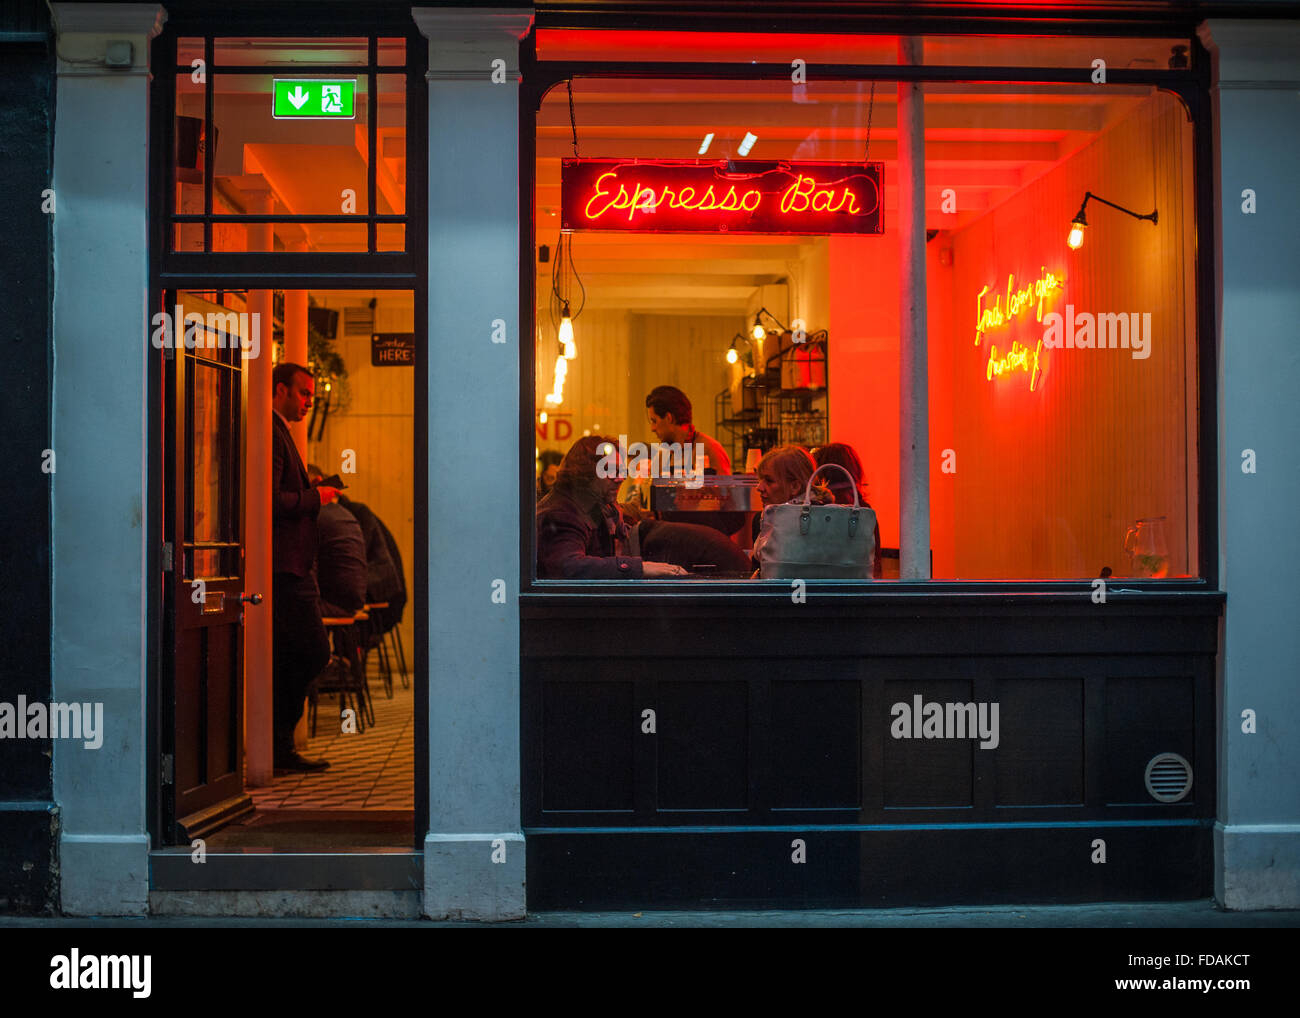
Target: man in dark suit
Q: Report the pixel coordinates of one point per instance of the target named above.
(301, 648)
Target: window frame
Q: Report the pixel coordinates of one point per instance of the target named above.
(1191, 86)
(368, 269)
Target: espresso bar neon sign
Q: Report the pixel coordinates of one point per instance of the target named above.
(721, 197)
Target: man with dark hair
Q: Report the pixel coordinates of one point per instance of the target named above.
(301, 648)
(669, 413)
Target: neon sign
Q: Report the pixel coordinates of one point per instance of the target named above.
(1018, 358)
(1017, 300)
(721, 197)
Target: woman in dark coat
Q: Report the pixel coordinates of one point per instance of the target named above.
(580, 532)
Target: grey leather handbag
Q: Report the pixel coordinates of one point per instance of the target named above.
(799, 540)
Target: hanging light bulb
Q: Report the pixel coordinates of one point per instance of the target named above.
(759, 332)
(1075, 240)
(566, 334)
(732, 356)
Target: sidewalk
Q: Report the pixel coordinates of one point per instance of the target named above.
(1159, 915)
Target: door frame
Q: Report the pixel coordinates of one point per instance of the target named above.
(280, 270)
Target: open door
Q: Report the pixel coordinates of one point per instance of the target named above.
(205, 393)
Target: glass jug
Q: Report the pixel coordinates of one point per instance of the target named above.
(1147, 548)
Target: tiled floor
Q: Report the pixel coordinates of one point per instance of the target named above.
(373, 770)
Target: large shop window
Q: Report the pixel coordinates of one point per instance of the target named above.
(1062, 358)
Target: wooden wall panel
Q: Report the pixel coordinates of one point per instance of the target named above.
(621, 357)
(595, 388)
(688, 351)
(1048, 481)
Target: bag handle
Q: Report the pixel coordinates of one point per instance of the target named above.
(807, 493)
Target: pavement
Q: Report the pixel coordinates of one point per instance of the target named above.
(1127, 915)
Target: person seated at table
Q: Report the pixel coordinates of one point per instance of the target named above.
(844, 455)
(383, 580)
(580, 532)
(340, 558)
(783, 475)
(549, 462)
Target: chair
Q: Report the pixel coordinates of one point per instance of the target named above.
(344, 674)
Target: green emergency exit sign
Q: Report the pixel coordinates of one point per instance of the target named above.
(314, 98)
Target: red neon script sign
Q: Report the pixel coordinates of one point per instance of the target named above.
(720, 197)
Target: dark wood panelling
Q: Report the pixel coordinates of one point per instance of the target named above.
(1040, 756)
(680, 868)
(587, 732)
(1146, 717)
(756, 739)
(816, 747)
(702, 740)
(921, 771)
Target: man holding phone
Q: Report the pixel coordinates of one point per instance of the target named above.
(301, 648)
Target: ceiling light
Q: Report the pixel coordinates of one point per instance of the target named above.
(747, 144)
(704, 145)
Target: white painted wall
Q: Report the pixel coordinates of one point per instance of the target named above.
(100, 439)
(1257, 837)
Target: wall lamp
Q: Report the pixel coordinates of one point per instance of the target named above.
(740, 351)
(758, 332)
(1075, 240)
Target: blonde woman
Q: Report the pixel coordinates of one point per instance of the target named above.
(783, 475)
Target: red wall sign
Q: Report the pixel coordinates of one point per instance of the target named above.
(689, 196)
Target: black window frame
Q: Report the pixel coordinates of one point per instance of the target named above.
(359, 265)
(1192, 87)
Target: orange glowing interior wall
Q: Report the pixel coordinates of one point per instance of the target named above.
(1049, 480)
(1044, 483)
(864, 384)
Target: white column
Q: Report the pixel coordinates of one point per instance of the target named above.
(913, 369)
(1257, 148)
(101, 339)
(473, 494)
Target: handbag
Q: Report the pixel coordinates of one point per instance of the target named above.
(799, 540)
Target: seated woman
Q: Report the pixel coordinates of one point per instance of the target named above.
(580, 532)
(844, 455)
(783, 475)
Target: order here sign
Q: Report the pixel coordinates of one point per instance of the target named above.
(315, 99)
(739, 196)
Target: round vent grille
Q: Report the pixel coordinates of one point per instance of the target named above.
(1169, 777)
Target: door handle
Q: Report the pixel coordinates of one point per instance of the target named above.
(250, 598)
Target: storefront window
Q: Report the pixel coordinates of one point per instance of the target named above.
(1062, 369)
